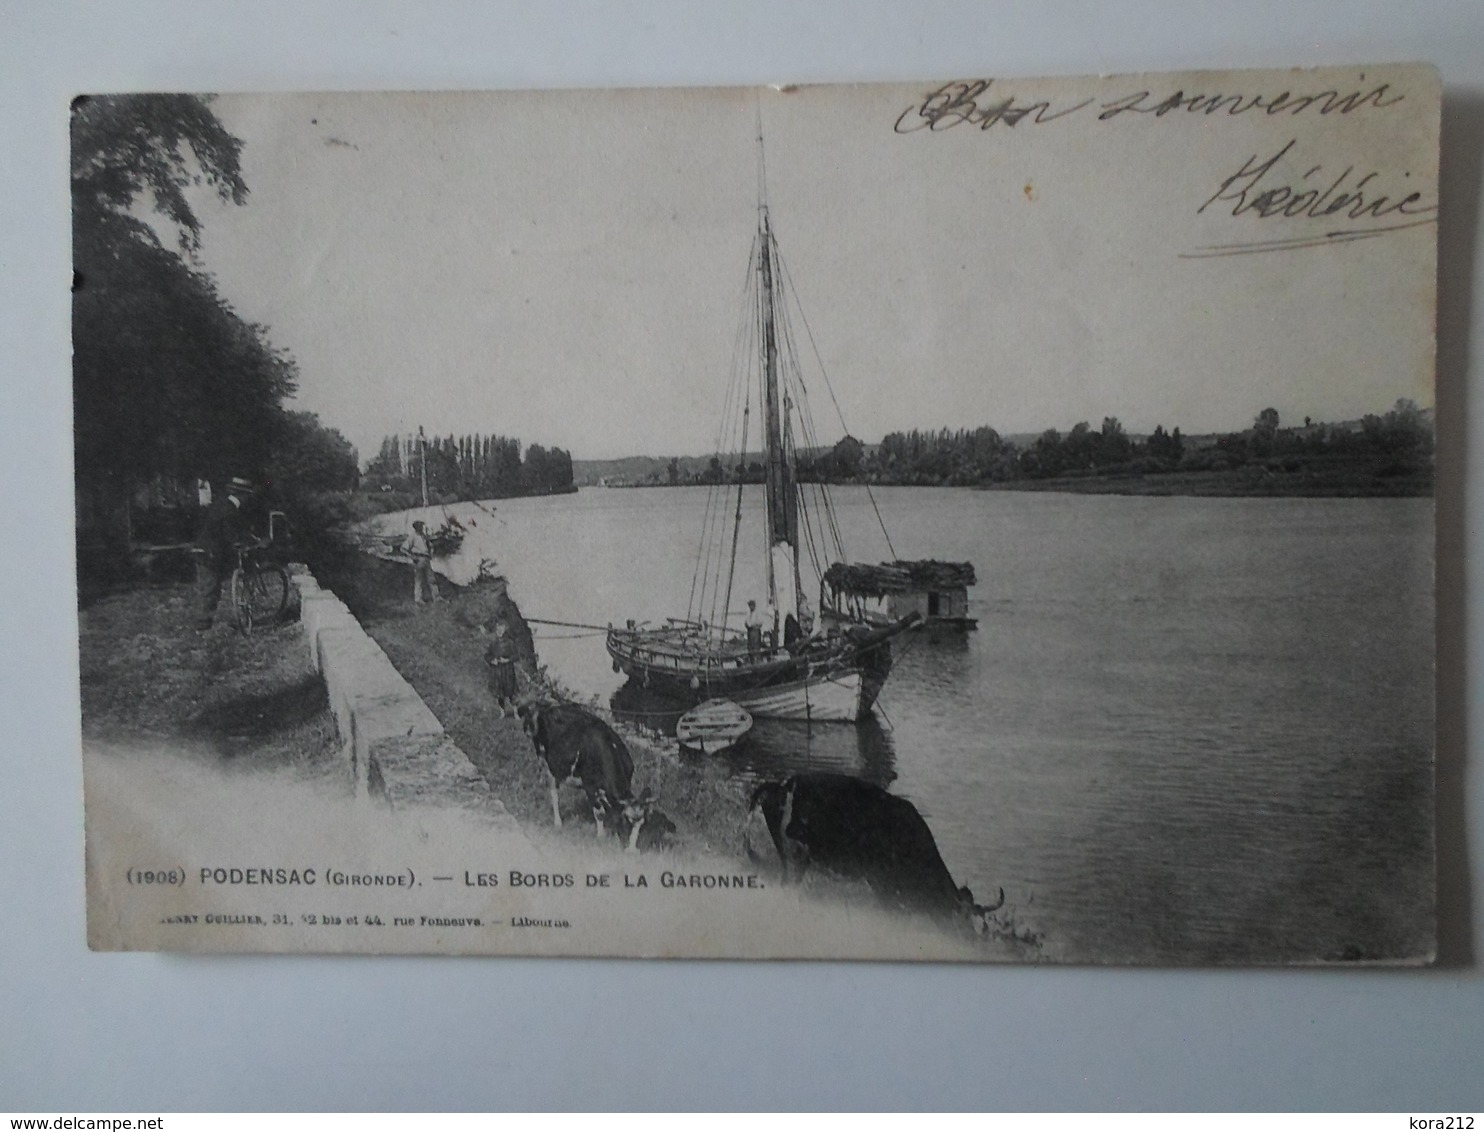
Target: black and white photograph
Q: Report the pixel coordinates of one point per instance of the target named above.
(972, 520)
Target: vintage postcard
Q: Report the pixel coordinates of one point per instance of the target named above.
(980, 520)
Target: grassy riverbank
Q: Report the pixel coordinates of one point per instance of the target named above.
(440, 651)
(247, 703)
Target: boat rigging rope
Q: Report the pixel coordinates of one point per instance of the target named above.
(826, 517)
(737, 520)
(741, 383)
(566, 624)
(713, 514)
(831, 544)
(838, 412)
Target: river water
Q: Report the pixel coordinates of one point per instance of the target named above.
(1186, 730)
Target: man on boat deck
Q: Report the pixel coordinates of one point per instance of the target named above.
(803, 629)
(421, 551)
(754, 629)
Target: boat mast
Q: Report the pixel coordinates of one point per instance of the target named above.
(422, 451)
(783, 503)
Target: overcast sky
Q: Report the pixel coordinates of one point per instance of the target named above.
(568, 268)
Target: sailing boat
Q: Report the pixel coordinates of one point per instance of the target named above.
(786, 671)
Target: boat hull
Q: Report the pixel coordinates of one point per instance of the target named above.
(841, 698)
(831, 684)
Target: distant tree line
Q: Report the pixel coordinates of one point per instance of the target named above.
(1399, 442)
(470, 467)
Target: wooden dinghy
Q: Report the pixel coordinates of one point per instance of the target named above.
(713, 726)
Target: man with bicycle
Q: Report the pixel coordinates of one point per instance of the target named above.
(224, 528)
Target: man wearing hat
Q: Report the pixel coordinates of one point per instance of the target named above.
(223, 528)
(421, 551)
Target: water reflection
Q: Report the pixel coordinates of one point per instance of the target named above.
(777, 748)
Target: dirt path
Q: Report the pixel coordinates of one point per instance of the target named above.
(249, 703)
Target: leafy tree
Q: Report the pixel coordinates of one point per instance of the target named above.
(167, 378)
(533, 473)
(1114, 446)
(1045, 457)
(124, 146)
(1402, 430)
(387, 465)
(1265, 432)
(1164, 446)
(306, 456)
(1080, 446)
(443, 466)
(846, 457)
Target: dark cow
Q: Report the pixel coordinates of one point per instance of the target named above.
(579, 747)
(646, 827)
(857, 830)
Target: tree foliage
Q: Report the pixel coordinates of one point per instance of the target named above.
(124, 146)
(167, 379)
(471, 467)
(306, 456)
(1400, 442)
(846, 456)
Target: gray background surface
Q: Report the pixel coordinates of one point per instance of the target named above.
(152, 1032)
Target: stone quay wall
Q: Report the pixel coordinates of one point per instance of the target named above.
(396, 747)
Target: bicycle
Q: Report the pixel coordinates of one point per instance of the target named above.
(259, 589)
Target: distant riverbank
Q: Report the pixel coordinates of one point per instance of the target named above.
(1243, 482)
(1375, 456)
(1369, 480)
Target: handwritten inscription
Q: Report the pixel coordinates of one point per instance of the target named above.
(1251, 190)
(1365, 203)
(1259, 191)
(980, 104)
(966, 102)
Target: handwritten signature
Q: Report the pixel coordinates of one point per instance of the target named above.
(1252, 191)
(978, 103)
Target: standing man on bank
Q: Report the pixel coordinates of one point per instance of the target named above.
(224, 527)
(421, 551)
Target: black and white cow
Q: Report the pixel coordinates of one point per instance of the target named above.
(579, 747)
(858, 831)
